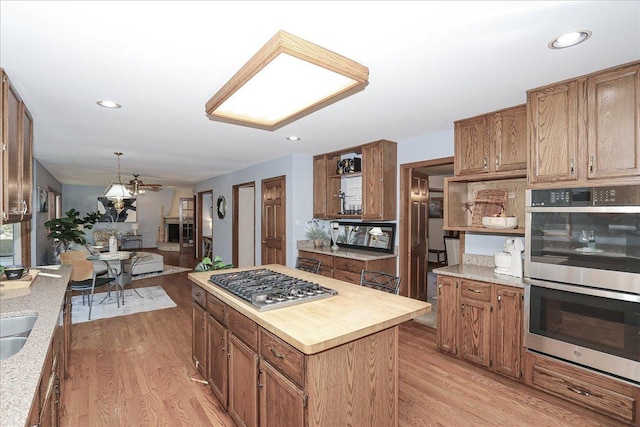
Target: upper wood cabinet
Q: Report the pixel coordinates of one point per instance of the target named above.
(367, 194)
(17, 156)
(493, 142)
(613, 126)
(586, 129)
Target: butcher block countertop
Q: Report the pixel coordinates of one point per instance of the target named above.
(318, 325)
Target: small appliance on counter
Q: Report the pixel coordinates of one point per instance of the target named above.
(509, 262)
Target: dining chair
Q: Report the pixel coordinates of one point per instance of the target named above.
(207, 247)
(381, 281)
(84, 278)
(311, 265)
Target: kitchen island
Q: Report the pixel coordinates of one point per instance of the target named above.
(334, 361)
(20, 374)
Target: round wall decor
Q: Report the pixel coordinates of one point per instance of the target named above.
(222, 207)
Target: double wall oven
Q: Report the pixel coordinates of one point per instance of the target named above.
(582, 277)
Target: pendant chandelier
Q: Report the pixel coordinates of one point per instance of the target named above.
(116, 191)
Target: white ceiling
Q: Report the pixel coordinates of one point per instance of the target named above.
(430, 63)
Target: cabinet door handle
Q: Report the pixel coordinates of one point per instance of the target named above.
(474, 291)
(439, 289)
(497, 162)
(591, 164)
(484, 163)
(571, 168)
(277, 353)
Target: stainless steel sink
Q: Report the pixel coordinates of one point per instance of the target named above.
(10, 346)
(14, 332)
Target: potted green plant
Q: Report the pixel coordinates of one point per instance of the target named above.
(67, 229)
(207, 265)
(316, 233)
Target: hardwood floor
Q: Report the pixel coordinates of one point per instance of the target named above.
(136, 370)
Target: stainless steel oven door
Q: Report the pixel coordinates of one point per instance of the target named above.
(591, 327)
(596, 246)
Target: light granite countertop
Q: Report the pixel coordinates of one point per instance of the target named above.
(20, 373)
(363, 255)
(479, 267)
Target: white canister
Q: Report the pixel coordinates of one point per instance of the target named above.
(113, 244)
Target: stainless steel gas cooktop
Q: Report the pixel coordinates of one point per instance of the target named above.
(267, 290)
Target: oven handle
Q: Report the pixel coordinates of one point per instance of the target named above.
(584, 209)
(583, 290)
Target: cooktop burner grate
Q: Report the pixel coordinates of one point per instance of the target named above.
(267, 290)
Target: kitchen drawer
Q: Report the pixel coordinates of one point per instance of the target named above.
(585, 394)
(217, 309)
(243, 328)
(476, 290)
(347, 276)
(348, 264)
(199, 295)
(282, 356)
(325, 260)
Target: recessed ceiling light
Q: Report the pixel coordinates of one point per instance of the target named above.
(569, 39)
(293, 138)
(108, 104)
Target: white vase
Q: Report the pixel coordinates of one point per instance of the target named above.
(113, 244)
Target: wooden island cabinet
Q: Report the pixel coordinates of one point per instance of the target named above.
(326, 362)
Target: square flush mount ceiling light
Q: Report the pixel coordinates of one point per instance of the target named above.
(287, 79)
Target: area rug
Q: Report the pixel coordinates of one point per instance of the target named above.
(168, 269)
(153, 298)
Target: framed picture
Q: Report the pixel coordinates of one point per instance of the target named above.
(436, 207)
(109, 213)
(43, 200)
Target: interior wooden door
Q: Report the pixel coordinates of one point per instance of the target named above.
(274, 221)
(419, 219)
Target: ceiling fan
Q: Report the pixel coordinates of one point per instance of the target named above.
(136, 186)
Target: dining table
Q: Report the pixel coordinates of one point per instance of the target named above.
(119, 265)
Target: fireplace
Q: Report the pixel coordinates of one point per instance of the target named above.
(173, 233)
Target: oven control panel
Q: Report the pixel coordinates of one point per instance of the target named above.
(592, 196)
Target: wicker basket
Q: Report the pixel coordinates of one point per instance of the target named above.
(487, 203)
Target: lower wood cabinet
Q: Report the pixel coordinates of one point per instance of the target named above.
(45, 409)
(481, 322)
(243, 383)
(348, 269)
(282, 403)
(199, 331)
(217, 359)
(614, 398)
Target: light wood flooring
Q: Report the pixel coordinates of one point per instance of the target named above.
(136, 371)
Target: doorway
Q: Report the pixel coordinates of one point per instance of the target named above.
(204, 238)
(421, 229)
(413, 196)
(244, 224)
(274, 248)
